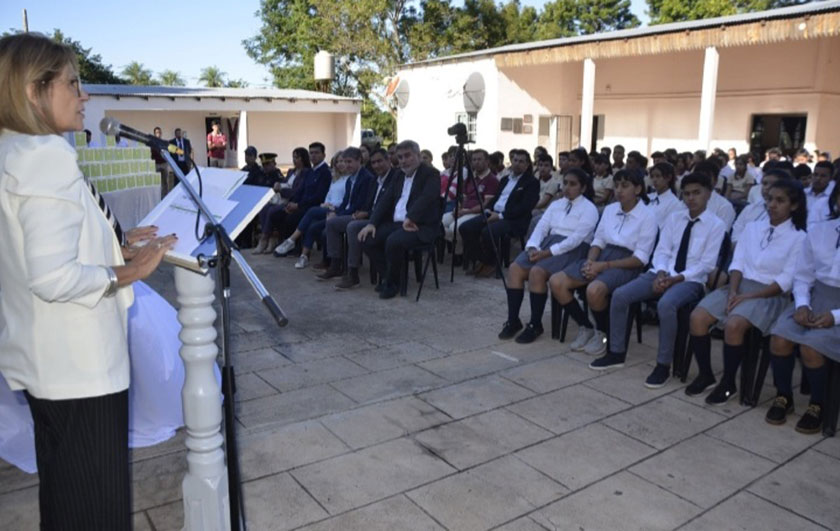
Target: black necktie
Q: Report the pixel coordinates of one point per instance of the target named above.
(656, 200)
(568, 208)
(112, 219)
(682, 253)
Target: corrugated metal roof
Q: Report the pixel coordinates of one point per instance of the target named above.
(156, 91)
(815, 7)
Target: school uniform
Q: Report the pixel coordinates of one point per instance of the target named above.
(620, 234)
(722, 208)
(687, 247)
(765, 254)
(663, 205)
(752, 212)
(816, 285)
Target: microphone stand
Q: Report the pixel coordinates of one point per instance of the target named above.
(226, 252)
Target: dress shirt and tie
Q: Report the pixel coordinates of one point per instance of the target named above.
(576, 220)
(635, 230)
(689, 247)
(768, 254)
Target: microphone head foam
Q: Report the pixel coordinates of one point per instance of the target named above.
(109, 126)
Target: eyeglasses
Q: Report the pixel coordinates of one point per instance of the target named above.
(74, 83)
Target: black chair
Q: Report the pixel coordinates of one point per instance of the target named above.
(415, 254)
(560, 319)
(831, 404)
(682, 354)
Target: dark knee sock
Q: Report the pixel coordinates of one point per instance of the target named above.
(783, 374)
(538, 301)
(732, 356)
(576, 313)
(602, 320)
(816, 377)
(514, 298)
(701, 346)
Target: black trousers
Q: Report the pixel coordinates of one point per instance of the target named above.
(476, 236)
(81, 447)
(387, 249)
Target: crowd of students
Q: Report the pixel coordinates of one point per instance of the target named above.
(747, 246)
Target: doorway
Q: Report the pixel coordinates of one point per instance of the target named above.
(785, 131)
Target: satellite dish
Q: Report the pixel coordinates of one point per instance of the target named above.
(401, 94)
(474, 92)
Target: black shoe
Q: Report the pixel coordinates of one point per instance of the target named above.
(389, 291)
(659, 377)
(530, 333)
(778, 412)
(811, 421)
(510, 328)
(379, 286)
(458, 260)
(610, 360)
(700, 384)
(721, 394)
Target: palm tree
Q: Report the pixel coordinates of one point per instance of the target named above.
(137, 74)
(171, 78)
(212, 77)
(236, 83)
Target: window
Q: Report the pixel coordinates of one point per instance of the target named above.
(469, 119)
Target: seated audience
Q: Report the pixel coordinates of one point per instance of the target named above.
(470, 206)
(663, 200)
(297, 176)
(740, 182)
(718, 204)
(602, 181)
(822, 185)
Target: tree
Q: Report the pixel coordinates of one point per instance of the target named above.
(236, 83)
(662, 11)
(137, 74)
(212, 76)
(567, 18)
(171, 78)
(91, 68)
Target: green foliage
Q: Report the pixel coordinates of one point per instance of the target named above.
(662, 11)
(137, 74)
(171, 78)
(91, 68)
(381, 121)
(236, 83)
(212, 76)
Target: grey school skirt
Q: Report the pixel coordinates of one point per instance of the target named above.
(613, 277)
(826, 341)
(553, 264)
(761, 313)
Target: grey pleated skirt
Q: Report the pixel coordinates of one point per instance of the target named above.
(826, 341)
(761, 313)
(553, 264)
(614, 277)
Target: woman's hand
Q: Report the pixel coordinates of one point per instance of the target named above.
(148, 258)
(535, 255)
(823, 320)
(140, 234)
(735, 300)
(803, 316)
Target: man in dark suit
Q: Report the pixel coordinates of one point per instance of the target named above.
(407, 215)
(354, 223)
(508, 214)
(183, 160)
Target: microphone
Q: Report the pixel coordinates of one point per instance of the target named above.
(113, 127)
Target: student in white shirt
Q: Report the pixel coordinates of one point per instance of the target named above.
(602, 181)
(562, 236)
(812, 322)
(760, 276)
(757, 211)
(663, 200)
(689, 244)
(620, 250)
(740, 182)
(818, 193)
(718, 204)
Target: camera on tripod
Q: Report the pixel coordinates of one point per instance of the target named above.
(459, 131)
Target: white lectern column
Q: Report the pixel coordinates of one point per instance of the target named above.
(205, 486)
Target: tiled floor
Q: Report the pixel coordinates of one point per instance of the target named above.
(394, 415)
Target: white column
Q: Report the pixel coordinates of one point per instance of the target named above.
(205, 485)
(242, 139)
(707, 97)
(587, 106)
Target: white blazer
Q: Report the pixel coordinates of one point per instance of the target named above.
(62, 338)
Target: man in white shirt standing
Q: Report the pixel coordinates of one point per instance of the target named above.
(407, 215)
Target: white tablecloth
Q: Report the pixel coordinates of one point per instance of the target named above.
(131, 206)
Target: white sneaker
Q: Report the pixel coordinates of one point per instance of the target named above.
(583, 336)
(284, 248)
(597, 344)
(302, 262)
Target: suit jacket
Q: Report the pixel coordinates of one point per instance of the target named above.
(313, 191)
(68, 340)
(374, 198)
(358, 197)
(187, 152)
(423, 207)
(523, 198)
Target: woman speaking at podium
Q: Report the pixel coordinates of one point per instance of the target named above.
(66, 290)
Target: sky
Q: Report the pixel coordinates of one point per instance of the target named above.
(181, 36)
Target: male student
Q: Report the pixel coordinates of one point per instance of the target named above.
(687, 251)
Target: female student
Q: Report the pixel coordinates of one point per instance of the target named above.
(562, 236)
(812, 322)
(663, 200)
(602, 181)
(760, 275)
(621, 248)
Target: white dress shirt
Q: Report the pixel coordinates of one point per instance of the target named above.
(812, 198)
(62, 339)
(663, 205)
(635, 230)
(818, 211)
(499, 207)
(576, 220)
(766, 255)
(722, 208)
(755, 194)
(819, 260)
(400, 211)
(752, 212)
(703, 246)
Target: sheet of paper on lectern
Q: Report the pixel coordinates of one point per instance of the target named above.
(231, 203)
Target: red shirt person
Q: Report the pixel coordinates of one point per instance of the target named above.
(216, 145)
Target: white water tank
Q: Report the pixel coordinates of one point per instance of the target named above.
(324, 66)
